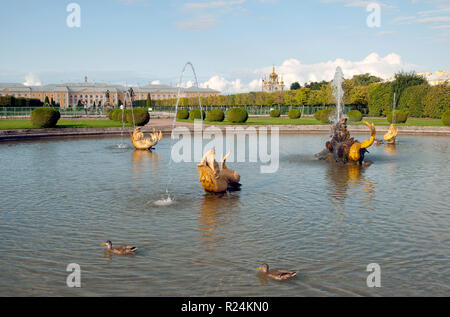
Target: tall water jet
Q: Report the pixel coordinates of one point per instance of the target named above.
(338, 93)
(168, 201)
(342, 147)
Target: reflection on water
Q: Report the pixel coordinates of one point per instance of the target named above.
(326, 221)
(214, 210)
(390, 149)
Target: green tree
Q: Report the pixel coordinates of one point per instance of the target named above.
(365, 80)
(404, 80)
(46, 100)
(270, 100)
(359, 97)
(148, 103)
(295, 86)
(316, 85)
(302, 96)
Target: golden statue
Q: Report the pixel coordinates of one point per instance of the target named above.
(390, 136)
(145, 144)
(214, 179)
(343, 148)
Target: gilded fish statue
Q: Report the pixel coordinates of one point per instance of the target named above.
(214, 179)
(343, 148)
(137, 137)
(391, 135)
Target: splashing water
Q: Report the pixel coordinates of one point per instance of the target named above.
(168, 201)
(338, 93)
(165, 202)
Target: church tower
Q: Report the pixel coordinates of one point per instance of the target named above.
(273, 84)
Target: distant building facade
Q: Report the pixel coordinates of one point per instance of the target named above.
(71, 94)
(273, 84)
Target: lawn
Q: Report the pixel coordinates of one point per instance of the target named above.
(26, 124)
(312, 121)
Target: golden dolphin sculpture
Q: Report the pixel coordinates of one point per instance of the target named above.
(343, 148)
(214, 179)
(355, 150)
(137, 137)
(390, 136)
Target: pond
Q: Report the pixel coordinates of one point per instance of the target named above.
(61, 198)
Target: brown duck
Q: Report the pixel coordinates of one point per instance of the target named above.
(279, 275)
(122, 250)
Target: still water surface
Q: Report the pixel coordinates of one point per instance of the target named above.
(60, 199)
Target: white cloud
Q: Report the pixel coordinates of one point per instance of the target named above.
(156, 82)
(32, 80)
(293, 70)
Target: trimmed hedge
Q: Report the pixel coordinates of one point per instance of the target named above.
(437, 101)
(114, 114)
(183, 114)
(381, 98)
(412, 99)
(275, 113)
(354, 115)
(294, 114)
(400, 117)
(446, 118)
(196, 114)
(237, 115)
(215, 115)
(141, 116)
(45, 117)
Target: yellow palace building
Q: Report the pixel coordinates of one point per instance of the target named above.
(70, 94)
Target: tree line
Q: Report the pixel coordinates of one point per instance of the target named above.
(366, 93)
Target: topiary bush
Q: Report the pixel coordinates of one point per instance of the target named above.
(294, 114)
(400, 117)
(446, 118)
(45, 117)
(114, 115)
(141, 116)
(215, 115)
(325, 115)
(275, 113)
(354, 115)
(183, 114)
(237, 115)
(196, 115)
(318, 114)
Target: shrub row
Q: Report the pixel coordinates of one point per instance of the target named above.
(417, 101)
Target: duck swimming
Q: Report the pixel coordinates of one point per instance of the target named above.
(276, 274)
(122, 250)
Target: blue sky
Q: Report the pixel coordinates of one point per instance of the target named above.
(232, 43)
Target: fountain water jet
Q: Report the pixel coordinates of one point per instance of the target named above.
(338, 93)
(169, 200)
